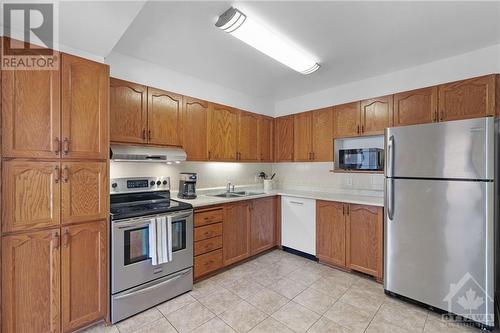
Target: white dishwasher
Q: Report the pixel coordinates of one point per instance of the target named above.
(298, 224)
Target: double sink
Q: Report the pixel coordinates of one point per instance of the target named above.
(237, 194)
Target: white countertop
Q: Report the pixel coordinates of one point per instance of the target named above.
(354, 198)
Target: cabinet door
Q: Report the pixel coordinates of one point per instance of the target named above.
(346, 120)
(31, 195)
(85, 191)
(164, 117)
(222, 133)
(416, 107)
(84, 274)
(302, 137)
(265, 140)
(376, 115)
(322, 135)
(262, 224)
(248, 148)
(331, 232)
(31, 113)
(85, 108)
(128, 111)
(283, 139)
(465, 99)
(31, 282)
(365, 239)
(194, 120)
(236, 232)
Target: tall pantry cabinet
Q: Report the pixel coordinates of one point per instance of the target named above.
(55, 197)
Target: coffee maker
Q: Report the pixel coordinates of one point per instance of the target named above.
(187, 185)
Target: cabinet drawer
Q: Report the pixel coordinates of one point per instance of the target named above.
(207, 245)
(208, 217)
(209, 231)
(207, 263)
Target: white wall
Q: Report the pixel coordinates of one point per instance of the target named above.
(476, 63)
(136, 70)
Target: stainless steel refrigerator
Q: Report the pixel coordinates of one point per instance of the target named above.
(440, 226)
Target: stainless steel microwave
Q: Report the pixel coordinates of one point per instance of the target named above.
(361, 159)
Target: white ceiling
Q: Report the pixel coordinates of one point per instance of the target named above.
(353, 40)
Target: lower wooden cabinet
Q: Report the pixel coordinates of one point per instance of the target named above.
(236, 235)
(84, 274)
(262, 224)
(54, 280)
(350, 236)
(208, 240)
(31, 292)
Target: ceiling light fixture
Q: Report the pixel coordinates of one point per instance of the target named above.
(266, 41)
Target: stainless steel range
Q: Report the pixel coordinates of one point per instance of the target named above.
(151, 245)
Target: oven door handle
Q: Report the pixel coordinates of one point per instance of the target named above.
(140, 290)
(132, 224)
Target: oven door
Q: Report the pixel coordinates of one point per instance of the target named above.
(131, 250)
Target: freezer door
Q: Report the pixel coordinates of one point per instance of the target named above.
(439, 244)
(462, 149)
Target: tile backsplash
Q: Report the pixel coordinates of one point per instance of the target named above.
(307, 176)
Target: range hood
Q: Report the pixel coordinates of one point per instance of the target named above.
(129, 153)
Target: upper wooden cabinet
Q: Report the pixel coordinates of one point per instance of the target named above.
(223, 133)
(31, 113)
(85, 91)
(365, 239)
(84, 274)
(302, 137)
(470, 98)
(164, 117)
(313, 137)
(31, 293)
(346, 120)
(128, 111)
(236, 232)
(265, 138)
(416, 107)
(248, 147)
(376, 115)
(262, 224)
(194, 131)
(283, 139)
(31, 195)
(84, 191)
(331, 232)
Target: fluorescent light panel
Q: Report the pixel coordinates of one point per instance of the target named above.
(266, 41)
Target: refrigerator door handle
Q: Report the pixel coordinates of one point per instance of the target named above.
(390, 156)
(390, 198)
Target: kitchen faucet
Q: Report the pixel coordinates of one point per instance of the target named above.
(229, 187)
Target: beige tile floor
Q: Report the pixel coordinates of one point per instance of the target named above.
(281, 292)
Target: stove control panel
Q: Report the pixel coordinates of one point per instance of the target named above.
(139, 184)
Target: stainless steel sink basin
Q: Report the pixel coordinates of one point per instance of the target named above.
(247, 193)
(237, 194)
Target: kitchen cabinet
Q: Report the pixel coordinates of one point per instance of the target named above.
(465, 99)
(284, 138)
(248, 147)
(265, 138)
(416, 107)
(85, 108)
(31, 113)
(346, 120)
(164, 118)
(208, 240)
(222, 133)
(31, 282)
(31, 195)
(262, 224)
(298, 224)
(365, 239)
(376, 115)
(128, 112)
(236, 235)
(331, 232)
(84, 191)
(195, 115)
(84, 274)
(302, 137)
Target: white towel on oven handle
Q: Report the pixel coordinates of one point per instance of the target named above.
(169, 238)
(153, 238)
